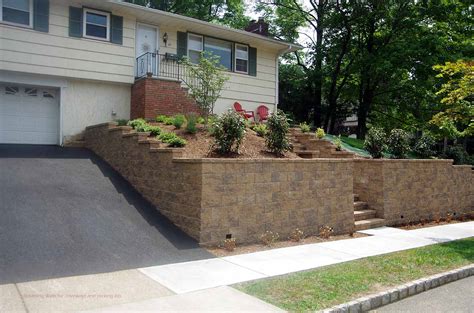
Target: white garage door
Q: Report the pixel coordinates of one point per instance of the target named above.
(28, 114)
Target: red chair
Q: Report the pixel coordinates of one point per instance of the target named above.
(246, 114)
(262, 112)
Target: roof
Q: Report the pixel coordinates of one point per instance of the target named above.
(171, 20)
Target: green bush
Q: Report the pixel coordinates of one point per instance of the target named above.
(122, 122)
(136, 122)
(191, 121)
(201, 120)
(459, 155)
(154, 130)
(172, 139)
(320, 133)
(228, 132)
(338, 143)
(375, 142)
(168, 121)
(424, 146)
(304, 128)
(161, 118)
(398, 143)
(179, 120)
(260, 129)
(276, 138)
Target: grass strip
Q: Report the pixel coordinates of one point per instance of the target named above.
(328, 286)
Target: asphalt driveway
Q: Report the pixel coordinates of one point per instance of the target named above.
(65, 212)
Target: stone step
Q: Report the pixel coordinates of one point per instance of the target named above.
(298, 147)
(307, 154)
(364, 214)
(75, 144)
(369, 223)
(360, 205)
(356, 197)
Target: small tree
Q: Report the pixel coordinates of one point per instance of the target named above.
(210, 77)
(276, 137)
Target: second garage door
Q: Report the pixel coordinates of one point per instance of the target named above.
(29, 115)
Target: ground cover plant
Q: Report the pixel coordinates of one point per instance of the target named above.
(324, 287)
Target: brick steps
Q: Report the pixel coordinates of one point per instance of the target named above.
(303, 143)
(369, 223)
(307, 154)
(360, 205)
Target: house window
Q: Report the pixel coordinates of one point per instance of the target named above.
(195, 47)
(17, 12)
(220, 48)
(96, 24)
(241, 58)
(10, 90)
(31, 92)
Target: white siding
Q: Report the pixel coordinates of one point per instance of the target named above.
(55, 53)
(87, 103)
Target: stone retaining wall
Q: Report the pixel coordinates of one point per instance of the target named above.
(405, 191)
(212, 198)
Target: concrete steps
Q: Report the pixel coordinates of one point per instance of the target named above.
(364, 217)
(369, 223)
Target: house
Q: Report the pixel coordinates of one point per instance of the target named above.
(67, 64)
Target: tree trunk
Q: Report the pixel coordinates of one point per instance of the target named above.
(318, 79)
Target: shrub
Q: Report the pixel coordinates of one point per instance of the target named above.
(269, 238)
(228, 131)
(375, 142)
(424, 146)
(398, 143)
(276, 137)
(304, 127)
(191, 121)
(154, 130)
(459, 155)
(178, 120)
(338, 143)
(325, 232)
(122, 122)
(296, 235)
(230, 244)
(172, 139)
(161, 118)
(168, 121)
(142, 128)
(136, 122)
(201, 120)
(320, 133)
(260, 129)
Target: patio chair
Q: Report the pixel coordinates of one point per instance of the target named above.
(246, 114)
(262, 112)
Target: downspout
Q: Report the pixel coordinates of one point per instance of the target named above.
(277, 65)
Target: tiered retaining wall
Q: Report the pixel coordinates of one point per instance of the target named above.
(212, 198)
(403, 191)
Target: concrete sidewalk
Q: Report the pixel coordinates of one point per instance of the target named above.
(204, 274)
(201, 286)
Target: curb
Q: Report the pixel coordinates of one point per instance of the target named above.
(398, 293)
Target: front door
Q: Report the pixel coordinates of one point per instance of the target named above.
(146, 48)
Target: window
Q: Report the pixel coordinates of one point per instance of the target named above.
(31, 92)
(48, 94)
(220, 48)
(96, 24)
(17, 12)
(194, 47)
(241, 58)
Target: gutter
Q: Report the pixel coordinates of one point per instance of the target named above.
(277, 76)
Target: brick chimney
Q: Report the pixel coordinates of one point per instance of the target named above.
(259, 27)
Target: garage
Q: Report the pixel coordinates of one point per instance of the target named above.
(29, 114)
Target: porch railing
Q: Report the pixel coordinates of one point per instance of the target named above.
(164, 65)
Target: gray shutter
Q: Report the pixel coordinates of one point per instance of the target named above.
(41, 15)
(75, 22)
(182, 46)
(116, 33)
(252, 61)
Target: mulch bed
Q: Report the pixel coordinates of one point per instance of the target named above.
(221, 252)
(200, 145)
(418, 225)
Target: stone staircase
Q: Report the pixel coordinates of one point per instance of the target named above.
(364, 217)
(307, 146)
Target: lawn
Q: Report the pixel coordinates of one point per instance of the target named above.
(332, 285)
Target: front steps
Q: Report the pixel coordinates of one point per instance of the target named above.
(364, 217)
(307, 146)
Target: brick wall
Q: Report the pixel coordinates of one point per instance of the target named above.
(410, 190)
(152, 96)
